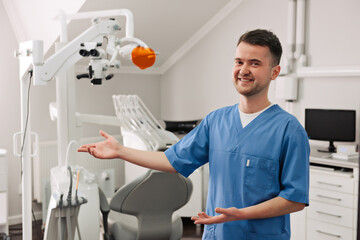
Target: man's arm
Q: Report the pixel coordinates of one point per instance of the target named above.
(110, 148)
(272, 208)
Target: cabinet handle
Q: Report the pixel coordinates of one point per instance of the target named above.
(329, 214)
(329, 184)
(327, 197)
(329, 234)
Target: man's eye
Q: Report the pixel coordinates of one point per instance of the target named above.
(255, 64)
(238, 62)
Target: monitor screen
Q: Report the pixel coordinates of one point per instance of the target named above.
(330, 125)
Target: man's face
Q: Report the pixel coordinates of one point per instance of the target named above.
(253, 69)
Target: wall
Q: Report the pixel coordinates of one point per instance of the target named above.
(90, 99)
(201, 80)
(333, 40)
(10, 107)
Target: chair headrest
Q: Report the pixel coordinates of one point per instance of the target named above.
(154, 192)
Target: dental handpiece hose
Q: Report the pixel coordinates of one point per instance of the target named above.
(70, 187)
(68, 217)
(77, 186)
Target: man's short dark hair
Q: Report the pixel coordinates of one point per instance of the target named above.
(263, 38)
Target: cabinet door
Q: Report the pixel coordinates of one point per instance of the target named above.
(195, 203)
(3, 175)
(3, 182)
(298, 225)
(3, 208)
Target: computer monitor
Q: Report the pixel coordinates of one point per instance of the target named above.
(330, 125)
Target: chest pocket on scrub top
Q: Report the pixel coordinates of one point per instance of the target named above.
(259, 172)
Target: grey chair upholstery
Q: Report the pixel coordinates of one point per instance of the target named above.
(144, 207)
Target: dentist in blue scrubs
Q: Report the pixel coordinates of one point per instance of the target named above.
(258, 154)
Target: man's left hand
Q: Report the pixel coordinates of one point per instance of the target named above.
(226, 215)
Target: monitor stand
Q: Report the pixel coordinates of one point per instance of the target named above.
(330, 149)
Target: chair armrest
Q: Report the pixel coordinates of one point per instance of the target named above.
(105, 210)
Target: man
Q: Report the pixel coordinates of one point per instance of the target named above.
(258, 154)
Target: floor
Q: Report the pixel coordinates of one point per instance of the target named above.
(191, 231)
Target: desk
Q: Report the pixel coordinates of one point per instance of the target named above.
(333, 197)
(326, 159)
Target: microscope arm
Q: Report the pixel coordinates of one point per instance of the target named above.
(69, 54)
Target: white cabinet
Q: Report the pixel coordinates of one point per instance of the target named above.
(333, 205)
(3, 193)
(298, 225)
(333, 200)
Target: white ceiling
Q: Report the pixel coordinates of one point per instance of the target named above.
(164, 25)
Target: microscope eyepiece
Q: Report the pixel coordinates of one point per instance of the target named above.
(84, 53)
(94, 53)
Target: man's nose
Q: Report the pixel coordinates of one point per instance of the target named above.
(244, 69)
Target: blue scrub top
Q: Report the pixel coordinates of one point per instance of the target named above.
(247, 166)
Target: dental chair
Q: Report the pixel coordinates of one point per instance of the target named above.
(143, 209)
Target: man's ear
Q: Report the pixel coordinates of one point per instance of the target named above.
(275, 72)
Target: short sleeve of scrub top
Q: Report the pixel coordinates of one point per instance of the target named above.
(191, 151)
(293, 180)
